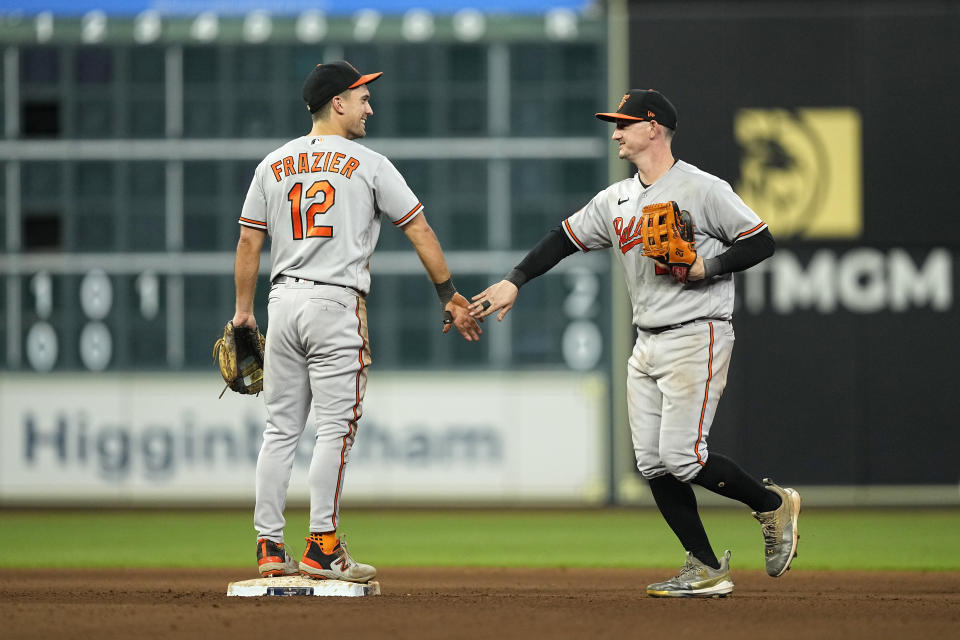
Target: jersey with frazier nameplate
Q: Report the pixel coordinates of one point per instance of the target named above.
(720, 218)
(321, 199)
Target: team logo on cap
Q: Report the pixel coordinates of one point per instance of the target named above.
(626, 97)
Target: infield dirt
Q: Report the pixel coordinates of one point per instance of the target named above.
(479, 603)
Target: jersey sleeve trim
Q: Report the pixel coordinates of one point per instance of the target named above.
(573, 236)
(409, 215)
(751, 232)
(257, 224)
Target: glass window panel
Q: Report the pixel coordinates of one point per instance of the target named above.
(202, 118)
(582, 179)
(145, 207)
(576, 117)
(539, 199)
(146, 228)
(145, 65)
(530, 115)
(412, 117)
(415, 64)
(3, 112)
(469, 230)
(94, 228)
(252, 64)
(147, 118)
(200, 179)
(254, 119)
(416, 173)
(40, 65)
(412, 342)
(200, 232)
(467, 63)
(368, 59)
(238, 177)
(458, 201)
(207, 300)
(580, 62)
(296, 120)
(42, 230)
(528, 63)
(40, 119)
(298, 62)
(94, 179)
(42, 180)
(537, 325)
(201, 65)
(147, 180)
(3, 221)
(94, 118)
(412, 326)
(467, 115)
(93, 66)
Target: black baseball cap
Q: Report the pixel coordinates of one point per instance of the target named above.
(332, 79)
(640, 104)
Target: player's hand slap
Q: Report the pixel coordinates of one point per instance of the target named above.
(499, 296)
(459, 309)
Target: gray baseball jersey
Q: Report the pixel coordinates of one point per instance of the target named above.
(720, 217)
(320, 198)
(678, 369)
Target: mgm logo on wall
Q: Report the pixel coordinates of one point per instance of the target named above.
(801, 170)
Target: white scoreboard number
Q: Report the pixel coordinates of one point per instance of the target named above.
(43, 342)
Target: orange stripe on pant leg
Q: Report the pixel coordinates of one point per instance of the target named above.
(706, 396)
(353, 424)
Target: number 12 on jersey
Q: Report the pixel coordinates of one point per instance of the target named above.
(314, 211)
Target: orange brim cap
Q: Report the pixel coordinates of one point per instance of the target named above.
(613, 117)
(370, 77)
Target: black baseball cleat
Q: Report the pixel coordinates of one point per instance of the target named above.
(273, 559)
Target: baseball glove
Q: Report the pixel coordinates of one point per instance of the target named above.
(240, 356)
(667, 234)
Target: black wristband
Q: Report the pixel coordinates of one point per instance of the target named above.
(445, 291)
(517, 277)
(711, 267)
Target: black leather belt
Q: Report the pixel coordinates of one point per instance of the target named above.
(284, 279)
(670, 327)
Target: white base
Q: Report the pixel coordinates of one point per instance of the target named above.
(300, 586)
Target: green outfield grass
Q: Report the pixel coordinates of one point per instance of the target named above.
(830, 539)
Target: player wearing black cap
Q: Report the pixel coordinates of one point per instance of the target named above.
(322, 198)
(684, 335)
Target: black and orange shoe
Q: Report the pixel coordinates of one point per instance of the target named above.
(273, 559)
(336, 565)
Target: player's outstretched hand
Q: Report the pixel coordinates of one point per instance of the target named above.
(499, 296)
(459, 310)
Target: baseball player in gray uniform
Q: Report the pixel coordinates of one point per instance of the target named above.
(321, 198)
(684, 336)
